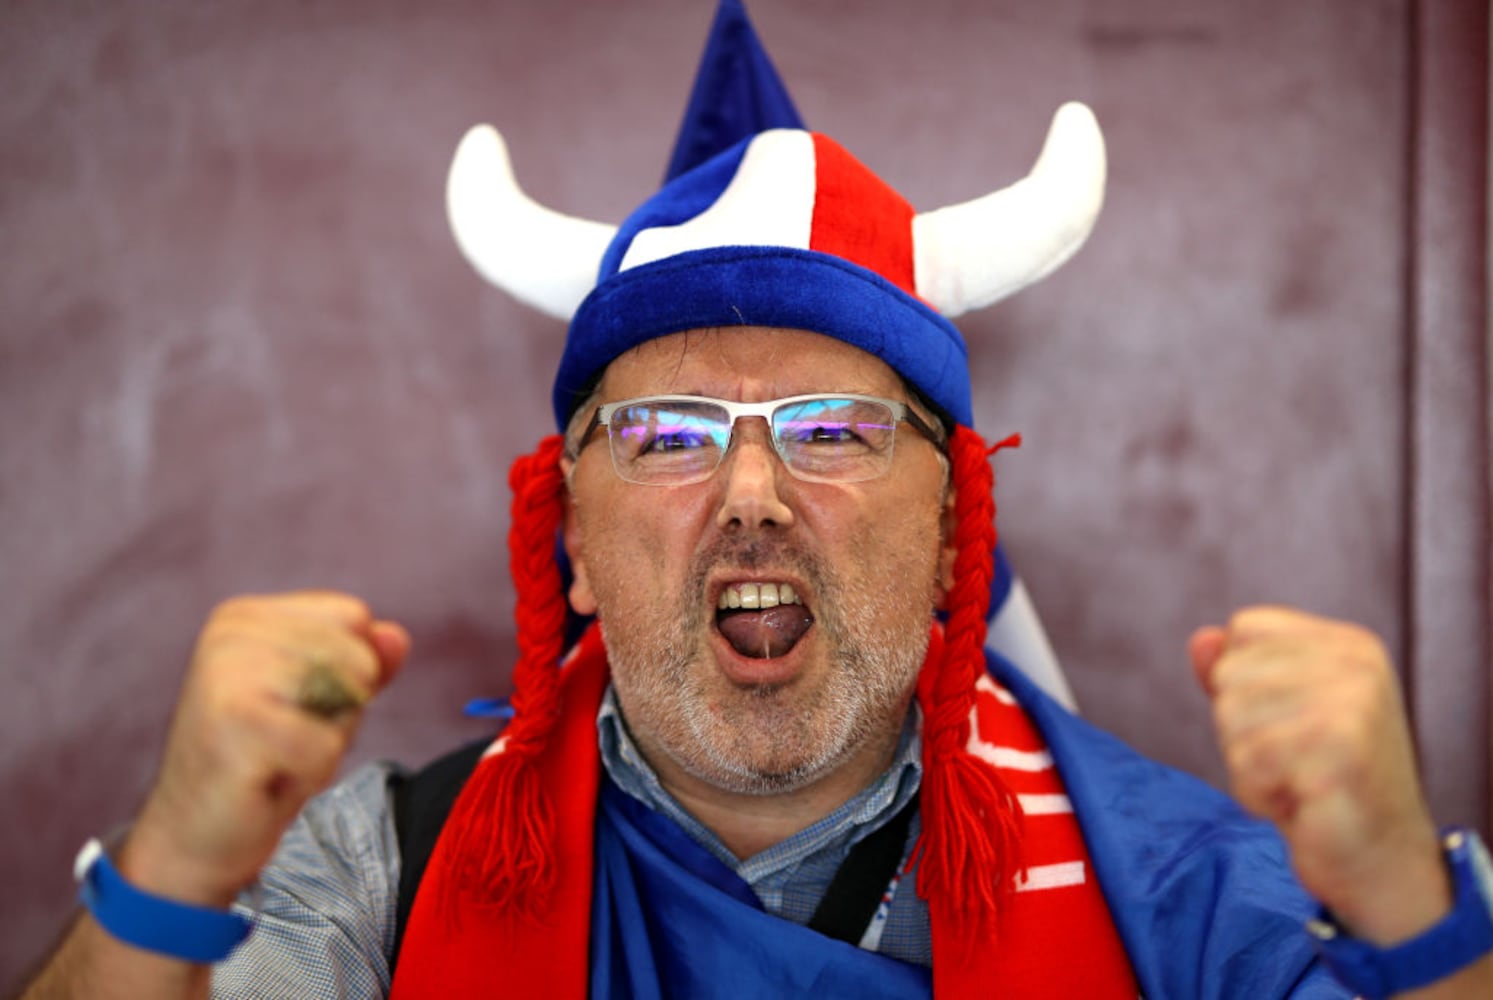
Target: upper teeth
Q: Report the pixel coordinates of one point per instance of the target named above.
(757, 595)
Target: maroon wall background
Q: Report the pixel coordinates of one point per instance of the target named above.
(238, 350)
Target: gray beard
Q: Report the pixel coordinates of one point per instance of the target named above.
(874, 670)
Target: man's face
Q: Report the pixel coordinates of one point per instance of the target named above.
(865, 561)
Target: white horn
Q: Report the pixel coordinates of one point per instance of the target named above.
(970, 255)
(539, 256)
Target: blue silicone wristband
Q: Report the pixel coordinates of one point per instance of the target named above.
(194, 933)
(1461, 938)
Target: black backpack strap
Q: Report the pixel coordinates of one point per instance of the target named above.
(856, 890)
(421, 803)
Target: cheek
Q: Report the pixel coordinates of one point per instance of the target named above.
(631, 550)
(897, 547)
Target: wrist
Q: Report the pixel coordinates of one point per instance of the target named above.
(1460, 938)
(152, 922)
(154, 863)
(1401, 896)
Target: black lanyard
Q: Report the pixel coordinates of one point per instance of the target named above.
(853, 895)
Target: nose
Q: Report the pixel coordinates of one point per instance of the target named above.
(752, 477)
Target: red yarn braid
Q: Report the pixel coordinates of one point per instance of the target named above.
(503, 820)
(967, 854)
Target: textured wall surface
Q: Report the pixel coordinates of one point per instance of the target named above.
(239, 351)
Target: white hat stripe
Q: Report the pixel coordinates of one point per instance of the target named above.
(769, 202)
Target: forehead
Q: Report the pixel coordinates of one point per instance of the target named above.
(747, 361)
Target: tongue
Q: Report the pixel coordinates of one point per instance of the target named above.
(765, 634)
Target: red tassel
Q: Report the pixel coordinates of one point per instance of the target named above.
(968, 853)
(502, 824)
(502, 829)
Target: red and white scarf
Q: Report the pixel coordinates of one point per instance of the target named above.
(1054, 936)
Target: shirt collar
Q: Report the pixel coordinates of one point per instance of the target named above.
(863, 813)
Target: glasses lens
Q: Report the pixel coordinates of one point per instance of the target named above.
(832, 439)
(667, 441)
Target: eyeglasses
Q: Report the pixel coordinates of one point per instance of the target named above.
(678, 440)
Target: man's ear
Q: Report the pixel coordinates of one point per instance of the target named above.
(948, 522)
(582, 600)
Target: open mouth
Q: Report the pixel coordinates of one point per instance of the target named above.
(762, 620)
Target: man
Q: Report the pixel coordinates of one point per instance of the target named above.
(775, 507)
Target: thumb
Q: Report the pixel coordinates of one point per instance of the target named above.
(391, 642)
(1205, 647)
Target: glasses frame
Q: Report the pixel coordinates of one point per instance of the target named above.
(901, 412)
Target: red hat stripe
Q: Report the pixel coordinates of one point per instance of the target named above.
(858, 217)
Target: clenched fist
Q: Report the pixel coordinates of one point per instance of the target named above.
(269, 706)
(1309, 717)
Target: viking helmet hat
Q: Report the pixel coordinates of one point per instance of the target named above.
(784, 228)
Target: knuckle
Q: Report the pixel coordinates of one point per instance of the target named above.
(1226, 716)
(345, 608)
(1249, 619)
(1368, 644)
(1241, 677)
(1258, 619)
(236, 608)
(1250, 759)
(236, 648)
(1243, 616)
(355, 609)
